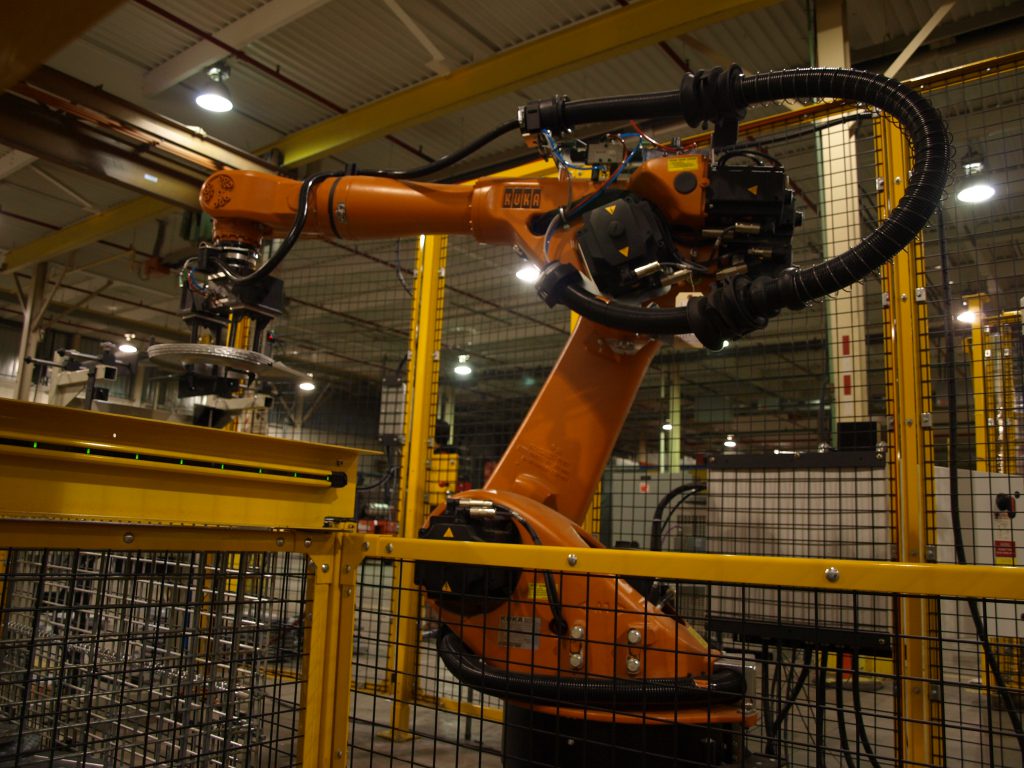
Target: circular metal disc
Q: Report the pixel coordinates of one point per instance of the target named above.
(177, 356)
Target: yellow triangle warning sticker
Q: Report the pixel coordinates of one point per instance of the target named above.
(624, 251)
(446, 587)
(752, 190)
(610, 209)
(447, 534)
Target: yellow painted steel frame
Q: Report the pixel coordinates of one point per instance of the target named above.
(425, 339)
(911, 485)
(69, 464)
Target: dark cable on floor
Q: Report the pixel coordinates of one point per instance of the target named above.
(960, 552)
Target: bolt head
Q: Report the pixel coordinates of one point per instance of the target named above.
(572, 559)
(307, 542)
(576, 660)
(280, 542)
(577, 632)
(389, 547)
(633, 637)
(325, 568)
(632, 664)
(832, 574)
(129, 537)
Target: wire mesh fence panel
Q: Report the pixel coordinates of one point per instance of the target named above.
(151, 658)
(347, 319)
(671, 679)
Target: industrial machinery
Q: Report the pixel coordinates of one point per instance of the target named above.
(652, 223)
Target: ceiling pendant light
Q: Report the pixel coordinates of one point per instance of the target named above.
(214, 96)
(976, 186)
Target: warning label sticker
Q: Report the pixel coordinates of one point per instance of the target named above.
(519, 632)
(686, 163)
(1005, 548)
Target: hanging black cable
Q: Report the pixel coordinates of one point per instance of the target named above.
(657, 525)
(844, 739)
(959, 550)
(448, 160)
(858, 714)
(819, 709)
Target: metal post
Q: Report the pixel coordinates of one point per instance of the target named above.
(421, 416)
(32, 312)
(911, 484)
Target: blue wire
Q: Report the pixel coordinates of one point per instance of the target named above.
(558, 155)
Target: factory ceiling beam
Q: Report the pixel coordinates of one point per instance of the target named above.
(34, 129)
(84, 232)
(14, 161)
(616, 32)
(97, 108)
(33, 32)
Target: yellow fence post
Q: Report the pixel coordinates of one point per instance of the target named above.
(322, 702)
(911, 484)
(421, 410)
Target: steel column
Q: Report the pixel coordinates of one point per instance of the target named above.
(911, 483)
(32, 313)
(420, 418)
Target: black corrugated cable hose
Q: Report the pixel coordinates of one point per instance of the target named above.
(738, 305)
(723, 686)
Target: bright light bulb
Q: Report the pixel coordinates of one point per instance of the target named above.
(307, 386)
(967, 316)
(462, 368)
(214, 102)
(730, 441)
(976, 193)
(528, 273)
(667, 426)
(128, 348)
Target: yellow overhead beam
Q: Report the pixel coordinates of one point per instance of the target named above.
(84, 232)
(641, 23)
(33, 32)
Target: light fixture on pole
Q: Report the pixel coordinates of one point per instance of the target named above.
(307, 385)
(976, 186)
(213, 96)
(462, 368)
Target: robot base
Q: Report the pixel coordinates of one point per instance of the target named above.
(534, 739)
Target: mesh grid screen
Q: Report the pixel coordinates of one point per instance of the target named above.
(823, 692)
(348, 318)
(150, 658)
